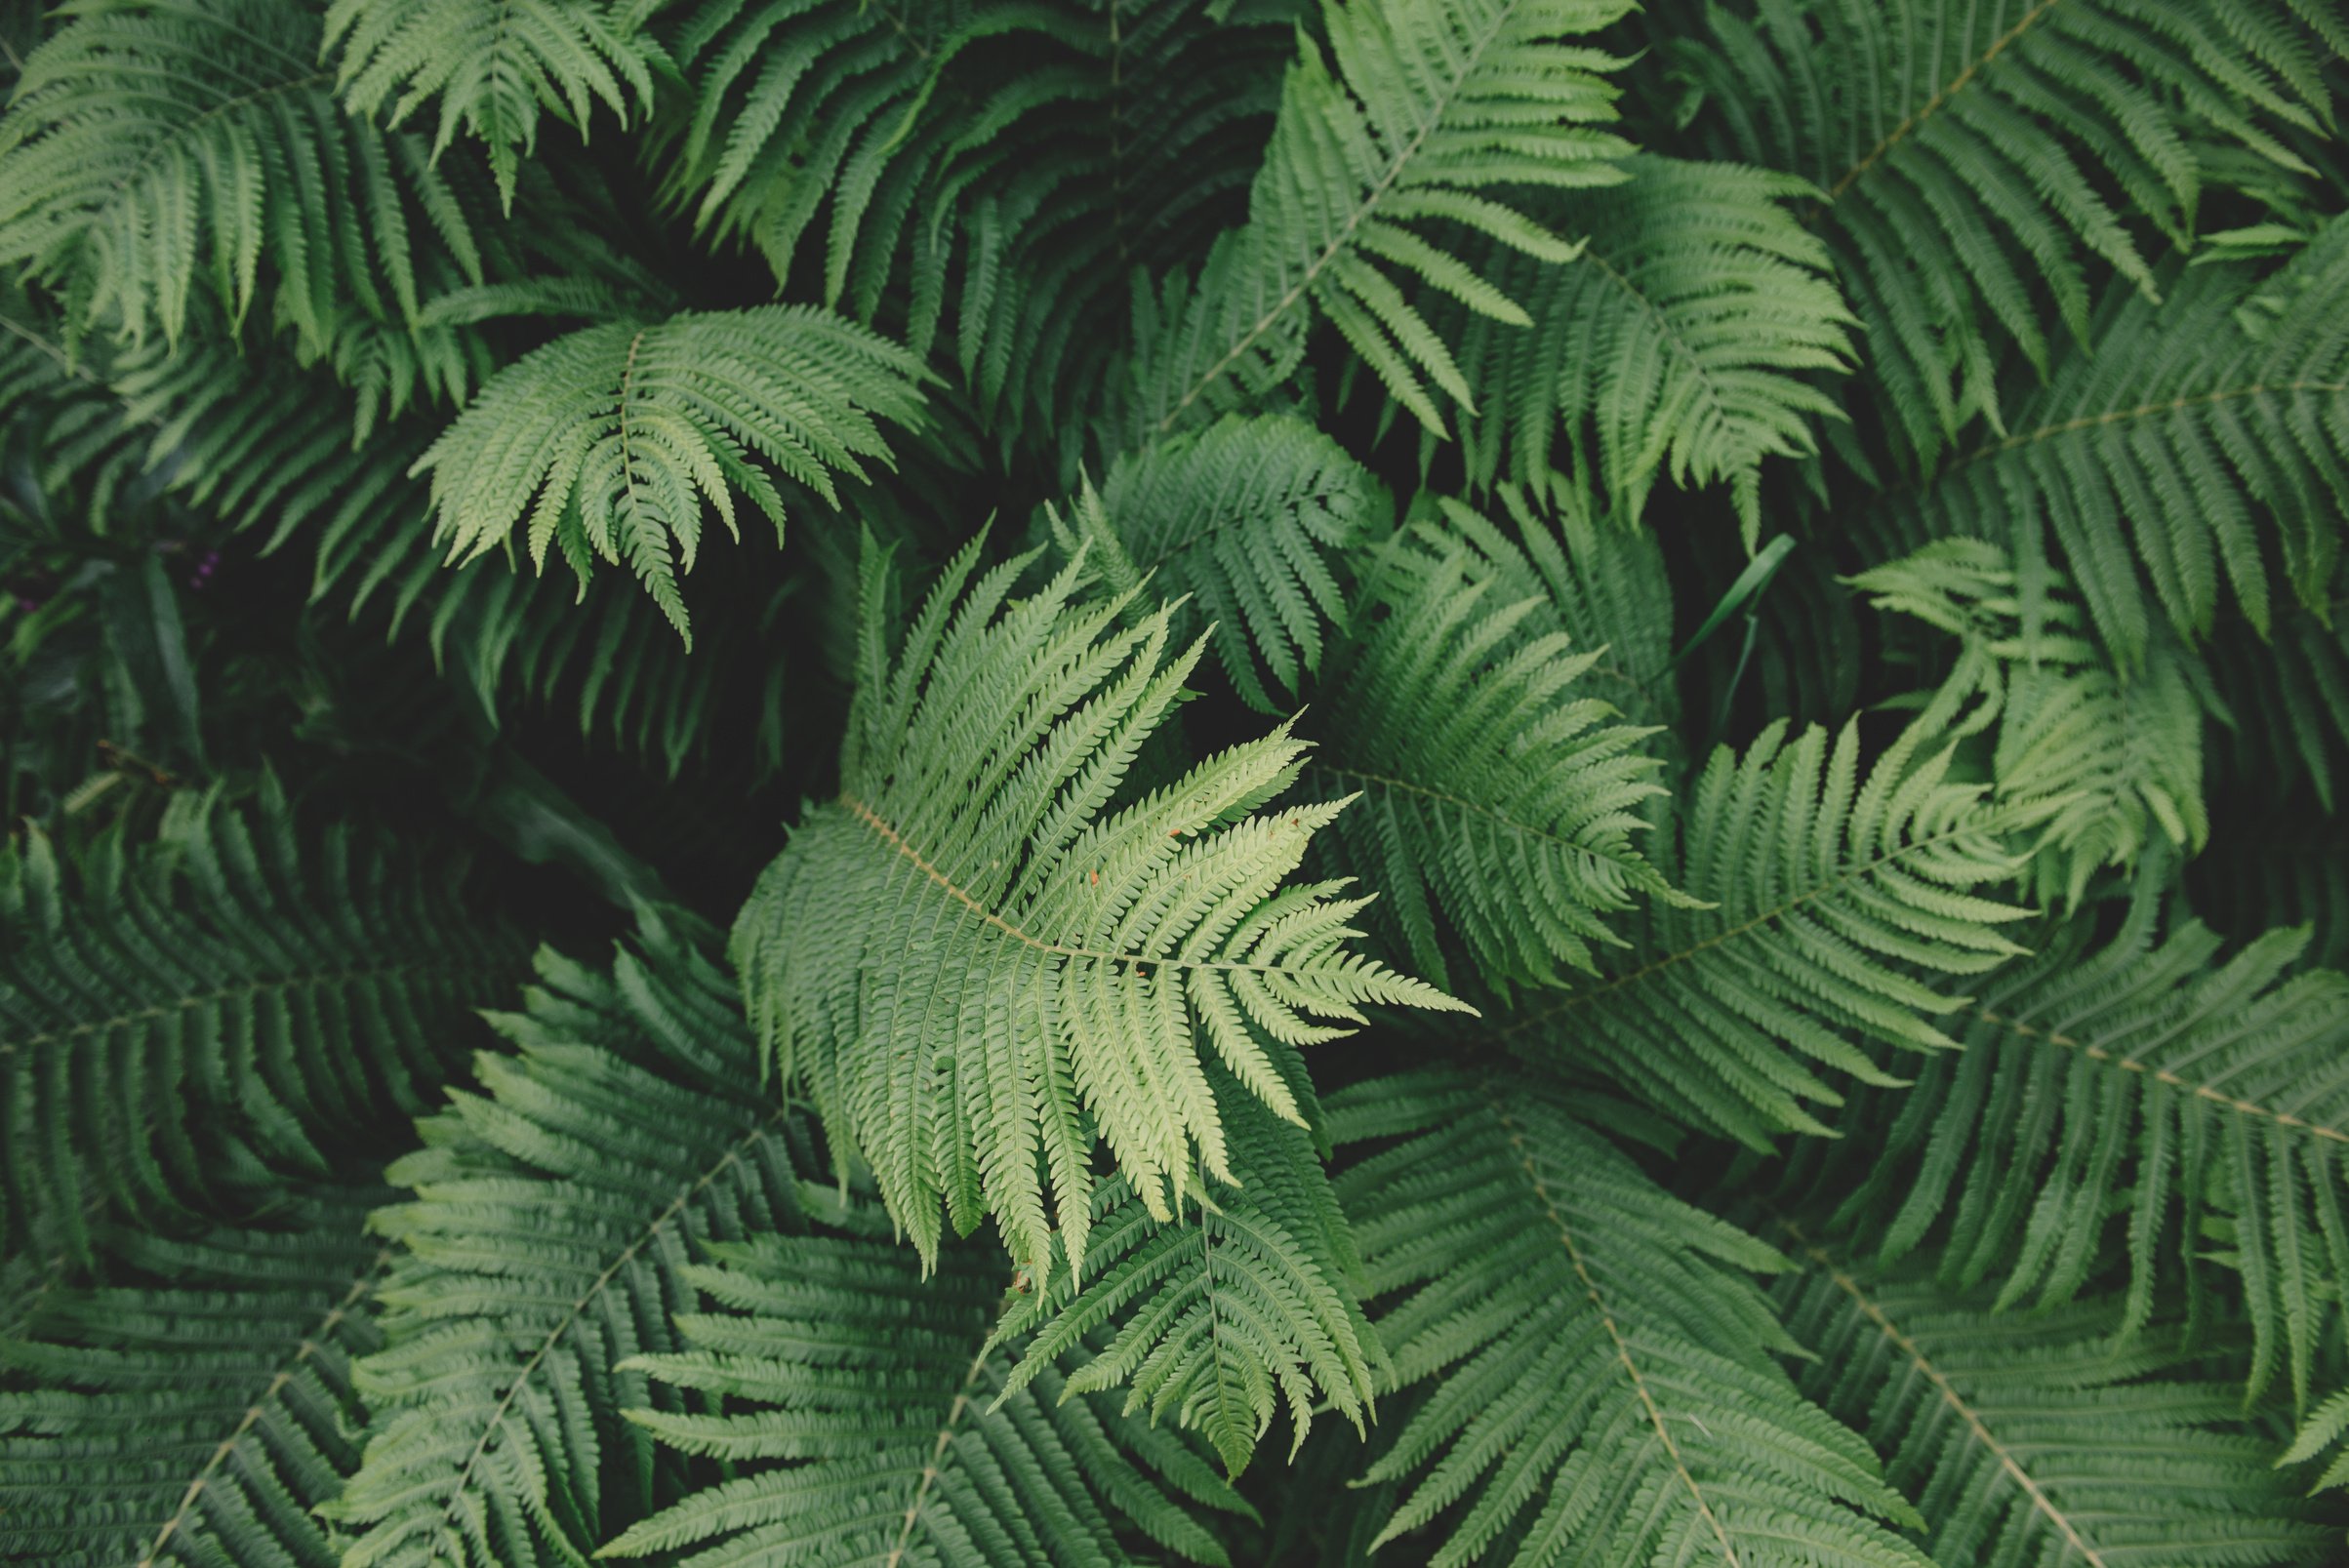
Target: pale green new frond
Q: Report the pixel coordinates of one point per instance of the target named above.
(1241, 1305)
(1686, 341)
(235, 989)
(986, 956)
(1970, 155)
(1240, 522)
(1606, 1391)
(2201, 445)
(1502, 802)
(490, 65)
(611, 440)
(2044, 1437)
(2116, 756)
(1386, 149)
(155, 149)
(2145, 1092)
(1833, 897)
(555, 1210)
(196, 1407)
(879, 1385)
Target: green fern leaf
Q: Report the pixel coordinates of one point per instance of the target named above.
(1242, 522)
(611, 439)
(976, 966)
(198, 1406)
(2043, 1438)
(1607, 1390)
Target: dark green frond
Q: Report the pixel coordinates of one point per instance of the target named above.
(2144, 1094)
(196, 1408)
(1243, 520)
(1832, 896)
(1687, 339)
(1501, 803)
(2044, 1437)
(231, 988)
(609, 441)
(556, 1209)
(1607, 1393)
(986, 957)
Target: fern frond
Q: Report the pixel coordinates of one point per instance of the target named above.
(196, 1408)
(2147, 1091)
(151, 149)
(2203, 444)
(2117, 756)
(1239, 523)
(977, 961)
(490, 65)
(1607, 1386)
(611, 439)
(1970, 155)
(2043, 1438)
(231, 987)
(882, 1382)
(1501, 803)
(1830, 898)
(1687, 339)
(1222, 1316)
(1417, 115)
(555, 1211)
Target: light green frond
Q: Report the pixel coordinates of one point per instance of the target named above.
(1832, 898)
(1606, 1391)
(1501, 804)
(234, 991)
(1970, 156)
(2200, 448)
(2117, 756)
(1240, 524)
(490, 65)
(612, 441)
(880, 1384)
(1384, 149)
(986, 956)
(1244, 1303)
(1688, 340)
(152, 150)
(2044, 1437)
(556, 1209)
(194, 1409)
(2144, 1091)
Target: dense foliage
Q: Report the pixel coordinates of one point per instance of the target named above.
(1298, 781)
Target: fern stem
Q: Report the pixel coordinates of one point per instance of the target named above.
(290, 983)
(946, 1437)
(1933, 105)
(2091, 421)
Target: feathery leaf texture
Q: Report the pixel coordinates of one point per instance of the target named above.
(151, 148)
(2118, 754)
(611, 438)
(978, 963)
(235, 990)
(1830, 900)
(1608, 1392)
(1219, 1317)
(1400, 135)
(1686, 341)
(490, 65)
(198, 1406)
(2142, 1089)
(2043, 1438)
(883, 1380)
(1242, 522)
(1498, 798)
(2195, 451)
(555, 1211)
(1969, 155)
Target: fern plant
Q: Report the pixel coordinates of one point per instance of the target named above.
(1360, 782)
